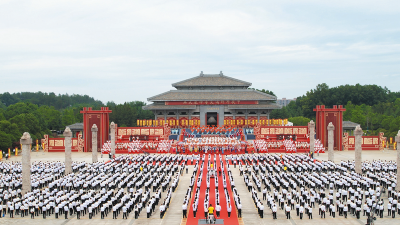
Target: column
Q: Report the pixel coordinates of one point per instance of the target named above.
(397, 139)
(26, 142)
(311, 127)
(331, 128)
(94, 143)
(67, 143)
(358, 136)
(112, 130)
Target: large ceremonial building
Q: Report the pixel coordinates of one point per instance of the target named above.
(212, 99)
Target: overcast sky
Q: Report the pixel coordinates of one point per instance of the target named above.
(131, 50)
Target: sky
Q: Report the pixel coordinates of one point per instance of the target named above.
(125, 51)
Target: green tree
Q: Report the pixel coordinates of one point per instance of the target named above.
(299, 121)
(5, 141)
(68, 117)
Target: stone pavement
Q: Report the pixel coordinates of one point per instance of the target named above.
(174, 213)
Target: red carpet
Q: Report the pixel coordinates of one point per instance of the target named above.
(233, 220)
(200, 209)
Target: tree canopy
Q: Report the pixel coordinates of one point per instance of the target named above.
(375, 108)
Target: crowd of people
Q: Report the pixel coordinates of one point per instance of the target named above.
(126, 184)
(300, 184)
(294, 184)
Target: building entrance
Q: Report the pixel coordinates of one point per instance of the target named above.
(212, 118)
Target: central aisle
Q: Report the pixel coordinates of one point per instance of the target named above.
(200, 208)
(233, 219)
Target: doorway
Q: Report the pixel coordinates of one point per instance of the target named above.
(212, 119)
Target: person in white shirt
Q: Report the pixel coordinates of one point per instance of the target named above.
(184, 209)
(274, 209)
(124, 213)
(301, 211)
(229, 208)
(218, 209)
(239, 207)
(262, 211)
(148, 210)
(287, 212)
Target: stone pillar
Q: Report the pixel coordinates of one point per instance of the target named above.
(112, 130)
(67, 143)
(26, 142)
(94, 143)
(311, 127)
(358, 141)
(331, 128)
(397, 139)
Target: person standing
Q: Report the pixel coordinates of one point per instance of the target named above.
(218, 209)
(184, 210)
(78, 212)
(114, 208)
(148, 210)
(211, 212)
(194, 210)
(32, 213)
(274, 209)
(229, 209)
(11, 209)
(124, 213)
(301, 211)
(56, 210)
(288, 212)
(239, 208)
(310, 213)
(66, 211)
(262, 211)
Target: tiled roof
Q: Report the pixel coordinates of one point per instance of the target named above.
(261, 106)
(76, 126)
(161, 107)
(349, 125)
(211, 80)
(212, 95)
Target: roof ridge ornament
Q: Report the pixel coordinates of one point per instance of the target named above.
(201, 74)
(221, 74)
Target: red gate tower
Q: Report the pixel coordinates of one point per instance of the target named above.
(101, 119)
(323, 117)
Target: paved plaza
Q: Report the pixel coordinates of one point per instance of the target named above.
(174, 213)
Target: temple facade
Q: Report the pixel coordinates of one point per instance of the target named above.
(212, 99)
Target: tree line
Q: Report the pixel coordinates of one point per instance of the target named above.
(46, 113)
(375, 108)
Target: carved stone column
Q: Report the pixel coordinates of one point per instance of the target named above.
(358, 141)
(311, 127)
(398, 161)
(26, 142)
(67, 143)
(331, 153)
(112, 128)
(94, 143)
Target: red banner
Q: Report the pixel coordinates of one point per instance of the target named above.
(212, 103)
